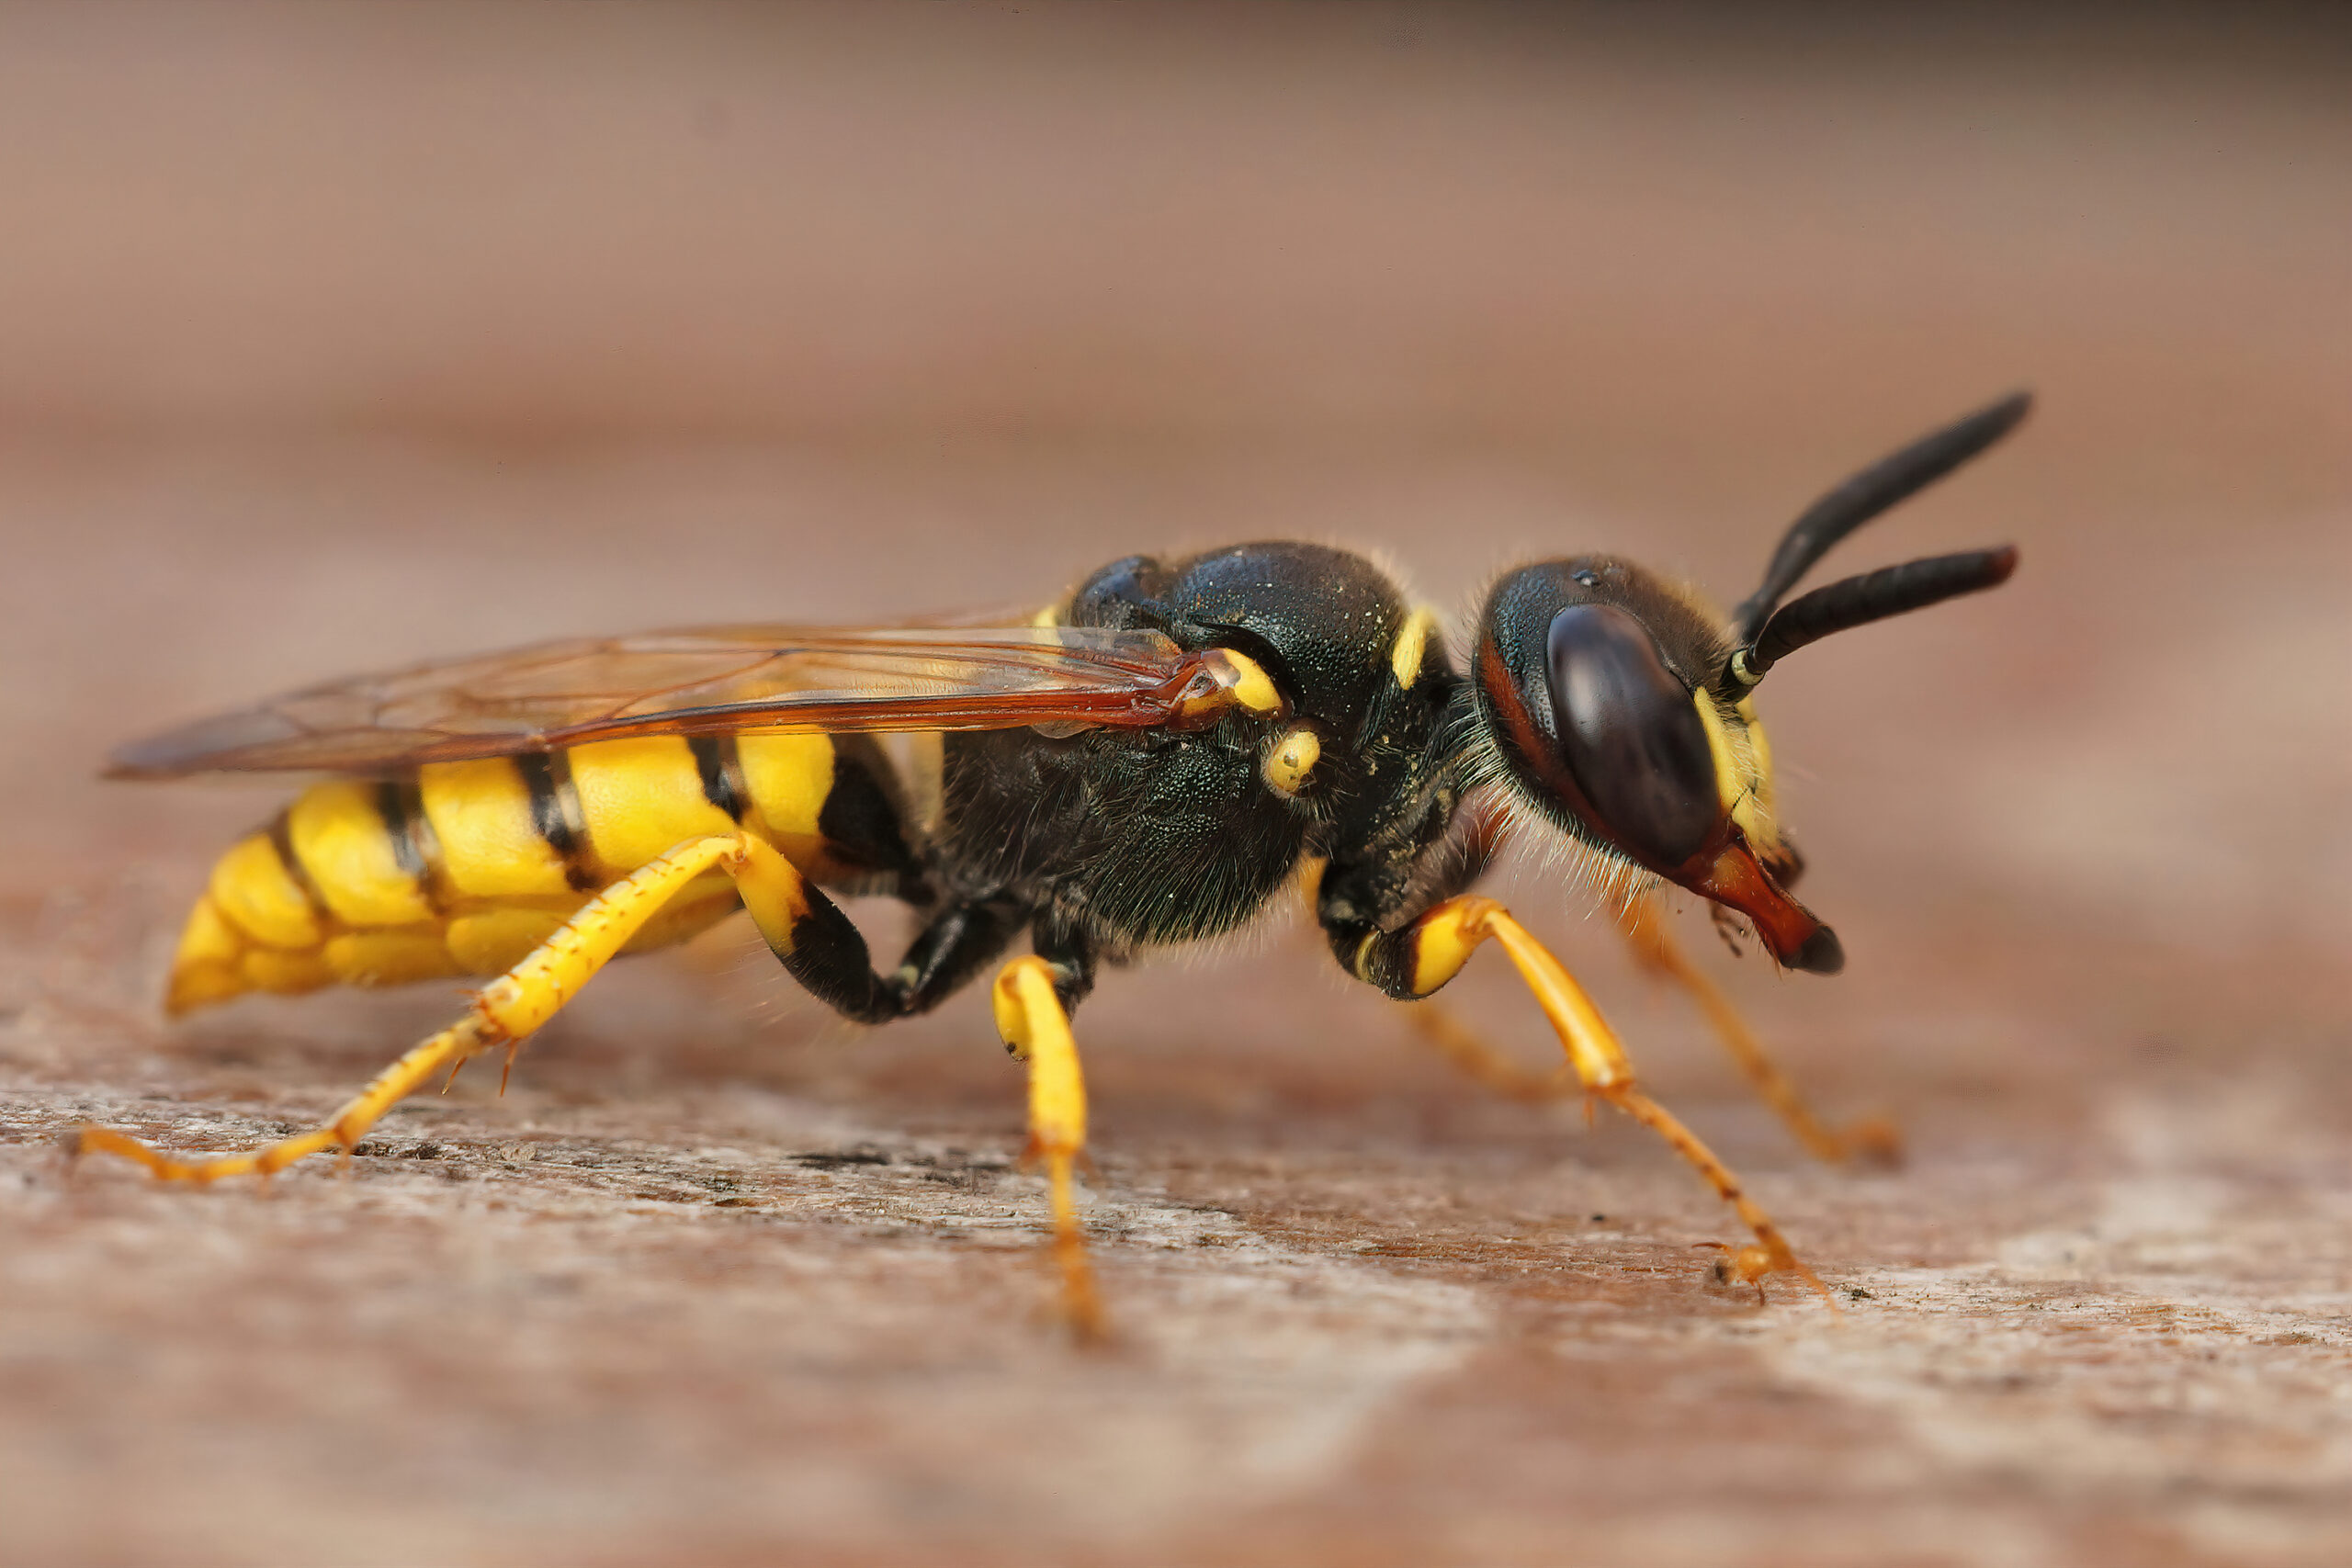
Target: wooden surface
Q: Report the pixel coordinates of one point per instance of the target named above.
(328, 345)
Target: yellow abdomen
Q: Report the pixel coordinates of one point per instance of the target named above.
(465, 867)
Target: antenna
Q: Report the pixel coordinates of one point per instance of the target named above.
(1891, 480)
(1857, 601)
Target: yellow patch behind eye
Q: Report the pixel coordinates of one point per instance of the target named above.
(1760, 746)
(1752, 813)
(1731, 781)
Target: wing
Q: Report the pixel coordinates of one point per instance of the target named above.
(718, 680)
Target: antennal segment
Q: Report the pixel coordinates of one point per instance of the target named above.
(1886, 482)
(1856, 600)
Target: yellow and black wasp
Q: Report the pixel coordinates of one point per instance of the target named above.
(1147, 763)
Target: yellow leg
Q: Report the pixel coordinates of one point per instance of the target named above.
(1459, 1045)
(510, 1007)
(1036, 1031)
(1875, 1138)
(1443, 941)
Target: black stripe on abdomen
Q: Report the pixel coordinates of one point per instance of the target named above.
(416, 849)
(720, 763)
(860, 819)
(282, 840)
(556, 815)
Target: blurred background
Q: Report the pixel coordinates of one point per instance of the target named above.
(337, 335)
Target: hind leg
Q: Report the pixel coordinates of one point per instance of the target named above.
(807, 931)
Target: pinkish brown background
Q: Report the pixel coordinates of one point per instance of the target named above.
(332, 336)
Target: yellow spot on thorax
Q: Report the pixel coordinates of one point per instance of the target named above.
(1253, 689)
(1290, 759)
(1405, 658)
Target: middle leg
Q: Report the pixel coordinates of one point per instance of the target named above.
(1035, 1027)
(1873, 1138)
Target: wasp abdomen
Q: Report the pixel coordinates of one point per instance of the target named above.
(465, 867)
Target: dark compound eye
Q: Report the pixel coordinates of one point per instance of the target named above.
(1630, 736)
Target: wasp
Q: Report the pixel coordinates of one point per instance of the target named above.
(1148, 762)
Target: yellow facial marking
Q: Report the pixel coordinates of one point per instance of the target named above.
(1753, 824)
(1405, 659)
(1730, 781)
(1761, 747)
(1290, 759)
(1752, 813)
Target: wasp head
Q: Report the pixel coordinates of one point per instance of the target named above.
(1598, 682)
(1620, 708)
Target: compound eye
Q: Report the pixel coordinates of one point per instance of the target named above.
(1630, 736)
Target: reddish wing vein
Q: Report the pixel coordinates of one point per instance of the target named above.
(718, 680)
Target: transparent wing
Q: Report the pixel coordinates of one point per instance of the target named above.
(710, 681)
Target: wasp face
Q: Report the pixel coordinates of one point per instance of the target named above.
(1597, 681)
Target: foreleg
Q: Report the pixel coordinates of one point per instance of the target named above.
(1420, 957)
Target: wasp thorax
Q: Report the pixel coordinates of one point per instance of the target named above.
(1290, 759)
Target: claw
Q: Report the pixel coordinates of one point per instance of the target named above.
(1748, 1264)
(1874, 1140)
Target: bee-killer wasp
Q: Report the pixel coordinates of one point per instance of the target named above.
(1148, 762)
